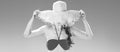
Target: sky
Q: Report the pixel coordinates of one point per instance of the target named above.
(102, 15)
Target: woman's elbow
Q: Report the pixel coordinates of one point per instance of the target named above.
(26, 35)
(89, 36)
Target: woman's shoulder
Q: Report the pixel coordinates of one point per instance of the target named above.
(45, 13)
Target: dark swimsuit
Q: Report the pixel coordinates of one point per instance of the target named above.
(52, 43)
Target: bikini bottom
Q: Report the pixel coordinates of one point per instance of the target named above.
(52, 44)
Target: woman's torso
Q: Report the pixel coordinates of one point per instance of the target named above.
(58, 17)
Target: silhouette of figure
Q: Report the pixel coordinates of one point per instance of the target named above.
(59, 28)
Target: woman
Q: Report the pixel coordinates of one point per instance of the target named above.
(59, 27)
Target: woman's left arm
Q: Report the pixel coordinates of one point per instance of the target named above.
(87, 34)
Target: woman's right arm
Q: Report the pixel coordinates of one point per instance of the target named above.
(28, 32)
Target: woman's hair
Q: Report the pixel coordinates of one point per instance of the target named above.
(67, 31)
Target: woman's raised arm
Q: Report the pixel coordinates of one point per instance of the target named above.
(28, 32)
(87, 34)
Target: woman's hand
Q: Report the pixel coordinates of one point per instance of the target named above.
(82, 15)
(36, 13)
